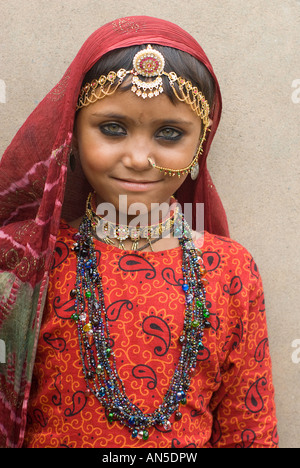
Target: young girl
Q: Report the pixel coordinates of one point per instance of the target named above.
(123, 326)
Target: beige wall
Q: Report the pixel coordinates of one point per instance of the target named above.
(255, 48)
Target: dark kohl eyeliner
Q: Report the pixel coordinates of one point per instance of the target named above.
(112, 129)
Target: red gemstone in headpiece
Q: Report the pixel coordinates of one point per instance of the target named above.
(148, 62)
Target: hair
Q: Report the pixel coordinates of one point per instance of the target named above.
(182, 63)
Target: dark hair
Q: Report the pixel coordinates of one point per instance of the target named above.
(182, 63)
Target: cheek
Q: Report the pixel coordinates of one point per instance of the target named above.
(172, 183)
(94, 155)
(181, 155)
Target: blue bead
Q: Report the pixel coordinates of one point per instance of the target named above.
(180, 395)
(185, 287)
(189, 298)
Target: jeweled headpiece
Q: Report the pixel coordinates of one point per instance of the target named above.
(148, 63)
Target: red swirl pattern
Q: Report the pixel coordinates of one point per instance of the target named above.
(231, 399)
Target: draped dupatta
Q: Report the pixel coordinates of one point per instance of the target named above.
(36, 189)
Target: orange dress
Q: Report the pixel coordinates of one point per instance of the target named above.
(230, 402)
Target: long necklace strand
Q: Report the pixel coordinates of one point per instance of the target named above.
(96, 349)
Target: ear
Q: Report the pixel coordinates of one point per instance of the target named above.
(74, 145)
(74, 151)
(74, 142)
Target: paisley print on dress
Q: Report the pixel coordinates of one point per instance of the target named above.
(231, 398)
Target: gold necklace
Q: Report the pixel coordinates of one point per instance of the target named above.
(105, 230)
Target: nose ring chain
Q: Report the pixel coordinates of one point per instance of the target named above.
(192, 168)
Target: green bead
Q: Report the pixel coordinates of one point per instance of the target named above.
(88, 294)
(110, 417)
(145, 435)
(74, 317)
(206, 314)
(108, 352)
(195, 323)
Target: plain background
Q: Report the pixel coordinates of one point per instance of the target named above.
(254, 47)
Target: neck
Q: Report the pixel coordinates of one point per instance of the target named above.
(137, 215)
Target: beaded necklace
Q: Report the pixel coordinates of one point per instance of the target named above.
(97, 354)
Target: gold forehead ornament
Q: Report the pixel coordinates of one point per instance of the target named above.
(149, 63)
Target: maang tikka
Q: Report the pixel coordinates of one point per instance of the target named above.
(149, 63)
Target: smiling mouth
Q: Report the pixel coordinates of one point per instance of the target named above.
(136, 185)
(137, 181)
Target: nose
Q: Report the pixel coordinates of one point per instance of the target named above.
(136, 155)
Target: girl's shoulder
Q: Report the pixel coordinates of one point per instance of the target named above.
(207, 241)
(225, 255)
(66, 228)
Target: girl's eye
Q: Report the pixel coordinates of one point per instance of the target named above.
(169, 133)
(112, 129)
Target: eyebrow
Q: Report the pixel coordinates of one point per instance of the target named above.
(124, 117)
(108, 115)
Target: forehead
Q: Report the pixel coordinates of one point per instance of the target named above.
(126, 103)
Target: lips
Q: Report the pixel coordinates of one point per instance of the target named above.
(137, 181)
(136, 185)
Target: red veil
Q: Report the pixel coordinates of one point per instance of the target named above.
(35, 192)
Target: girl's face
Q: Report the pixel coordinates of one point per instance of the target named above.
(115, 137)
